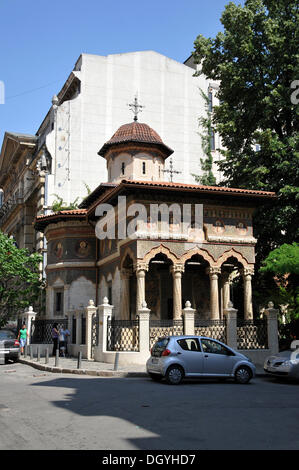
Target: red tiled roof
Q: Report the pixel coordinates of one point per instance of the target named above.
(136, 132)
(201, 188)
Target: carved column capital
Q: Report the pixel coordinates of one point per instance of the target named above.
(140, 266)
(213, 270)
(177, 269)
(248, 271)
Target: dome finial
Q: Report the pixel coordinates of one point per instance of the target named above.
(136, 107)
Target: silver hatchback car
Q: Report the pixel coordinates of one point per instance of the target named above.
(176, 357)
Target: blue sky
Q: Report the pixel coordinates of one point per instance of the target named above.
(42, 39)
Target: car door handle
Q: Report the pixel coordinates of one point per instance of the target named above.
(179, 353)
(206, 355)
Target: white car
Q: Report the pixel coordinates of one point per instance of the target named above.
(285, 363)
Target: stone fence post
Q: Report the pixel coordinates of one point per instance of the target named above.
(90, 310)
(28, 317)
(104, 311)
(144, 331)
(231, 325)
(188, 316)
(272, 327)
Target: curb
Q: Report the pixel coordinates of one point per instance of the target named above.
(95, 373)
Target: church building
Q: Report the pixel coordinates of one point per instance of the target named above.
(193, 260)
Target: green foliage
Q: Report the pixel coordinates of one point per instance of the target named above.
(20, 283)
(60, 205)
(255, 59)
(208, 178)
(284, 263)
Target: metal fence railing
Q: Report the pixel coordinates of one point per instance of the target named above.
(215, 329)
(122, 335)
(162, 328)
(41, 330)
(252, 334)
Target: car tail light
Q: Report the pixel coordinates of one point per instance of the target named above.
(17, 343)
(166, 352)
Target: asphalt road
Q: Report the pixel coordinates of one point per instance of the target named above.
(44, 411)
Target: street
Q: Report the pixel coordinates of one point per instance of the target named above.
(44, 411)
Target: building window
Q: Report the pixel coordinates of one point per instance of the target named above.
(143, 168)
(122, 168)
(58, 303)
(110, 292)
(210, 98)
(212, 140)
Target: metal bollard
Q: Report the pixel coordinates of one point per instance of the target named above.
(31, 351)
(25, 351)
(38, 353)
(47, 356)
(116, 359)
(57, 358)
(79, 360)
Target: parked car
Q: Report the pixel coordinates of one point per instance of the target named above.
(285, 363)
(9, 345)
(176, 357)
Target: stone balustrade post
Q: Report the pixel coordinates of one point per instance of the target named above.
(90, 310)
(144, 331)
(104, 311)
(272, 327)
(28, 317)
(188, 316)
(230, 314)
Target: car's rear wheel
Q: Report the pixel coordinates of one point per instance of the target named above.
(174, 375)
(243, 375)
(156, 377)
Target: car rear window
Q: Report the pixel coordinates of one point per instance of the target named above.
(6, 334)
(159, 347)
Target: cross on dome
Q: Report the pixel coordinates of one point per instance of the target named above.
(135, 108)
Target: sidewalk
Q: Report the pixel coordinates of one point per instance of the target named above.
(100, 369)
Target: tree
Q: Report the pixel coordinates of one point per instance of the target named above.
(208, 178)
(255, 59)
(20, 283)
(284, 263)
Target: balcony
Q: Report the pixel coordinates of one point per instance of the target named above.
(9, 206)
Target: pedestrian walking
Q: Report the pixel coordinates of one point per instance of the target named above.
(55, 338)
(63, 336)
(22, 337)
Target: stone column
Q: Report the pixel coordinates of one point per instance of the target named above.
(177, 270)
(141, 269)
(214, 292)
(105, 311)
(225, 289)
(188, 314)
(78, 327)
(230, 314)
(144, 332)
(90, 310)
(272, 314)
(247, 274)
(28, 317)
(125, 294)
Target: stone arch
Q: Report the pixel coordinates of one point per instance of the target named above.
(197, 251)
(157, 250)
(235, 254)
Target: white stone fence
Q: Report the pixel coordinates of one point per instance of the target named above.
(95, 332)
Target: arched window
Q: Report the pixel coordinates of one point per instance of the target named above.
(123, 168)
(143, 168)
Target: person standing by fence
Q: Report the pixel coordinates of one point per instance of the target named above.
(55, 336)
(22, 337)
